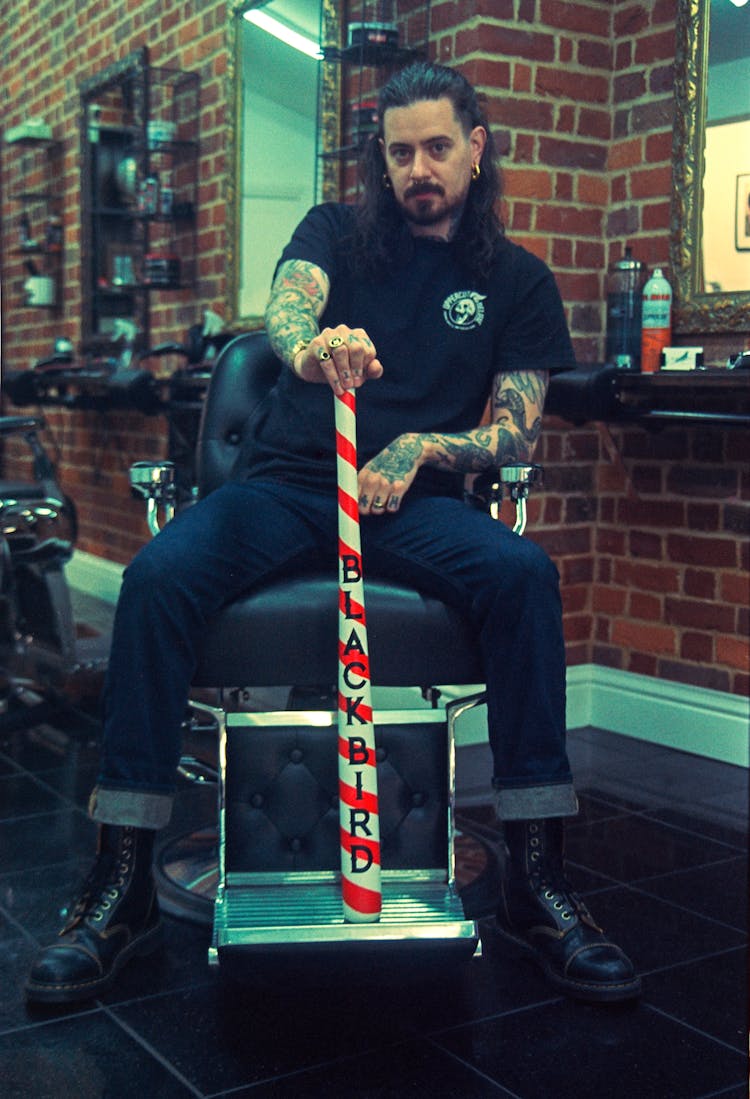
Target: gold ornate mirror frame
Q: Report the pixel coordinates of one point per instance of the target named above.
(694, 309)
(329, 128)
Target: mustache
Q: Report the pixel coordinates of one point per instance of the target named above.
(418, 189)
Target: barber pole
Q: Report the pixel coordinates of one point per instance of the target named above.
(358, 783)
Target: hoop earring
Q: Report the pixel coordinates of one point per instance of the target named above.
(476, 171)
(386, 181)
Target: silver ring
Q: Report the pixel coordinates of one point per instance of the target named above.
(335, 341)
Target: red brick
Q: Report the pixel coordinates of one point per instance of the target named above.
(637, 574)
(735, 588)
(697, 646)
(733, 652)
(646, 607)
(702, 551)
(698, 614)
(644, 638)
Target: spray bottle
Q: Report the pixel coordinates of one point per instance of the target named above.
(656, 320)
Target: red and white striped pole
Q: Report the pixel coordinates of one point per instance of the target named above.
(358, 783)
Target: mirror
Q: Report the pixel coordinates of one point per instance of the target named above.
(284, 118)
(710, 240)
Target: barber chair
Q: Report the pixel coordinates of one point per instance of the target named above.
(278, 886)
(39, 651)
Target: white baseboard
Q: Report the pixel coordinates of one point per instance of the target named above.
(94, 575)
(708, 723)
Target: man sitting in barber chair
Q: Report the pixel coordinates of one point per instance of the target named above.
(417, 301)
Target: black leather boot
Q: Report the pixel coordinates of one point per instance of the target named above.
(540, 912)
(115, 918)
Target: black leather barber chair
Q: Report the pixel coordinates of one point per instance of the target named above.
(278, 824)
(39, 652)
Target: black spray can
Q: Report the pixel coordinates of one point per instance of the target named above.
(624, 296)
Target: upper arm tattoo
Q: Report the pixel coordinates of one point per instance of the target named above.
(518, 403)
(298, 297)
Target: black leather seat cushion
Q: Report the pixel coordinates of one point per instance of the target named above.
(287, 632)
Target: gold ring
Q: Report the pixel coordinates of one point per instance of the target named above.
(323, 354)
(378, 505)
(335, 341)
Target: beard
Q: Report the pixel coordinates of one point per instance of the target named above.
(419, 205)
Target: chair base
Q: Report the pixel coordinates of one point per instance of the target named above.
(186, 870)
(424, 917)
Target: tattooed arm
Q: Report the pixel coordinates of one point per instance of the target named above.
(517, 404)
(298, 297)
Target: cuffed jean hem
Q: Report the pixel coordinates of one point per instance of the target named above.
(133, 807)
(536, 802)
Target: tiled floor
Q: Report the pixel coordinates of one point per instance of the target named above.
(659, 851)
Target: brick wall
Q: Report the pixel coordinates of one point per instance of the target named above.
(647, 529)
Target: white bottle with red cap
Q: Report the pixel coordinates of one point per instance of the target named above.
(656, 321)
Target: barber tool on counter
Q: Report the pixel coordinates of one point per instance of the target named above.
(624, 288)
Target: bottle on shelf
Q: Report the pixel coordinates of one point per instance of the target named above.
(624, 289)
(656, 320)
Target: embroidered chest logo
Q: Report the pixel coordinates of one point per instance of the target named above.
(464, 309)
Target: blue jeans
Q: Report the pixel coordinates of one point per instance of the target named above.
(246, 533)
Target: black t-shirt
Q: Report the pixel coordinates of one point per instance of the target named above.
(440, 335)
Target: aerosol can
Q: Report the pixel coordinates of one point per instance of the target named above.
(656, 321)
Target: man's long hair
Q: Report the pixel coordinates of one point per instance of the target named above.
(382, 238)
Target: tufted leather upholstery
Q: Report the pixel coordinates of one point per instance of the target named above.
(415, 640)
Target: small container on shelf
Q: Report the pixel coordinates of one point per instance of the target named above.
(161, 270)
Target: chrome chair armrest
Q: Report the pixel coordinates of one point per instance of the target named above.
(516, 480)
(155, 483)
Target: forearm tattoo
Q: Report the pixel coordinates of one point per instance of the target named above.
(517, 404)
(298, 297)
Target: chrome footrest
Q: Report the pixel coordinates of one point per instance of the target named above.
(310, 914)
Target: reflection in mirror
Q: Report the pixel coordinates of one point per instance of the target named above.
(711, 175)
(726, 180)
(276, 179)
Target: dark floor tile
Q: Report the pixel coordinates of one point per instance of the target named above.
(736, 837)
(413, 1069)
(718, 891)
(710, 995)
(44, 748)
(73, 783)
(21, 797)
(16, 956)
(87, 1056)
(45, 839)
(629, 848)
(37, 899)
(254, 1033)
(7, 767)
(572, 1049)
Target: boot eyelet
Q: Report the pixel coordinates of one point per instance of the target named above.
(113, 894)
(105, 906)
(96, 916)
(548, 895)
(534, 856)
(557, 905)
(535, 841)
(567, 915)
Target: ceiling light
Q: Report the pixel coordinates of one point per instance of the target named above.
(283, 33)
